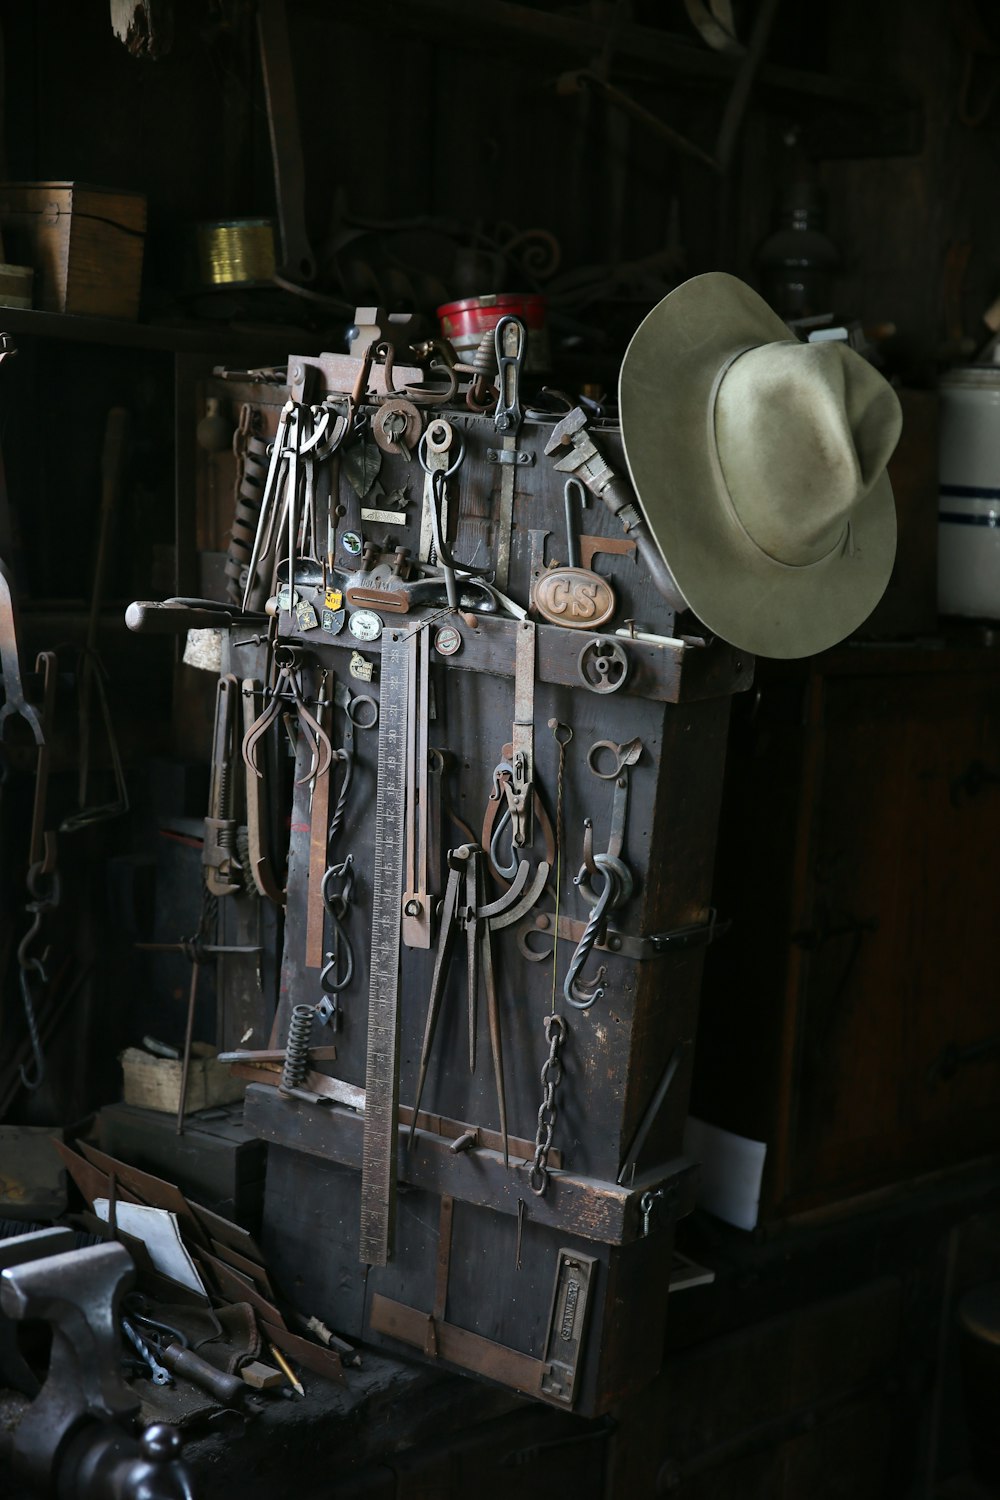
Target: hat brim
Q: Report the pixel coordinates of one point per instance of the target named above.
(667, 417)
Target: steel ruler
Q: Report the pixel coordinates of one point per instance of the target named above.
(378, 1161)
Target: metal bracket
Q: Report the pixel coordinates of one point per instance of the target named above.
(520, 456)
(640, 949)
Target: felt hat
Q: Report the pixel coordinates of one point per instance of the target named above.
(759, 462)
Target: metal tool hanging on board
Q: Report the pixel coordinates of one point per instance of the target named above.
(511, 342)
(617, 882)
(223, 872)
(466, 874)
(479, 919)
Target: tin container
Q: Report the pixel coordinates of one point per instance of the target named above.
(464, 322)
(969, 493)
(235, 252)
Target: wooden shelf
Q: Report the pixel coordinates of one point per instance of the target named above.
(216, 339)
(647, 46)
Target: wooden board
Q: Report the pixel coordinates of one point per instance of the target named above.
(675, 701)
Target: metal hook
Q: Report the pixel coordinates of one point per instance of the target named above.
(582, 996)
(338, 904)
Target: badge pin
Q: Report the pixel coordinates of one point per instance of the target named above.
(306, 615)
(363, 670)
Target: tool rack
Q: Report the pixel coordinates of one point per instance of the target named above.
(547, 1272)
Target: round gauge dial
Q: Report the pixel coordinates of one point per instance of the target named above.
(365, 625)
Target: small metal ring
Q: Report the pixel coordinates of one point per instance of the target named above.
(561, 739)
(424, 447)
(595, 750)
(538, 1180)
(552, 1023)
(364, 701)
(616, 871)
(442, 444)
(287, 654)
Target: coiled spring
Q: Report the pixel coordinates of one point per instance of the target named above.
(293, 1069)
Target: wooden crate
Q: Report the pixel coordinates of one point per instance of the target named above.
(84, 243)
(217, 1161)
(155, 1082)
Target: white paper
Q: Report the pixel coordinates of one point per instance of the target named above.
(159, 1231)
(732, 1167)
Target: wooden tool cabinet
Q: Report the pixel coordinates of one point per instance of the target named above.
(561, 1296)
(851, 1021)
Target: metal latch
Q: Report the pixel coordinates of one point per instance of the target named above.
(696, 935)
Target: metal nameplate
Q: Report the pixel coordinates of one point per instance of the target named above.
(567, 1326)
(387, 517)
(575, 598)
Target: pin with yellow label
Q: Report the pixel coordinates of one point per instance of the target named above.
(333, 599)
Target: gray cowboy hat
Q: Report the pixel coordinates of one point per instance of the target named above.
(759, 462)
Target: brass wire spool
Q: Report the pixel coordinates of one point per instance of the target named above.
(235, 252)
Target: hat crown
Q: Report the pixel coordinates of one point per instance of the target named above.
(801, 433)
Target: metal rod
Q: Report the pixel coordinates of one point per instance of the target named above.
(188, 1033)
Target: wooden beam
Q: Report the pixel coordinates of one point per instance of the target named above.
(582, 1206)
(647, 46)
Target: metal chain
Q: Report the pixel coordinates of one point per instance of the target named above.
(562, 739)
(551, 1076)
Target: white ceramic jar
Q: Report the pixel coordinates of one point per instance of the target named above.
(969, 493)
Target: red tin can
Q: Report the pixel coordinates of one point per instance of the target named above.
(464, 322)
